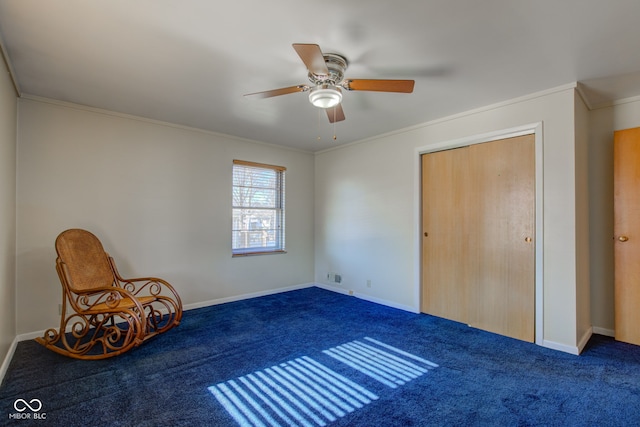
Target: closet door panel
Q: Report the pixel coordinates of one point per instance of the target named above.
(503, 228)
(446, 267)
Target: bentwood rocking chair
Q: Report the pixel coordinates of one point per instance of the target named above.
(104, 315)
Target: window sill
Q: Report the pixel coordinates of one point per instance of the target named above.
(244, 254)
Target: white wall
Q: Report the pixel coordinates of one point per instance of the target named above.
(604, 121)
(366, 216)
(8, 120)
(158, 197)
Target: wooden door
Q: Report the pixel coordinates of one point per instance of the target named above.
(478, 224)
(626, 183)
(503, 224)
(446, 268)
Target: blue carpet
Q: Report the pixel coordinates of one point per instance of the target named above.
(313, 357)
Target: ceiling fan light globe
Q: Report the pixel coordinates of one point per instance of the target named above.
(325, 96)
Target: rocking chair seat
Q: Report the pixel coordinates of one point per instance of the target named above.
(121, 304)
(104, 315)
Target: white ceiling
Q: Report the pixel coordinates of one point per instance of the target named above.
(190, 62)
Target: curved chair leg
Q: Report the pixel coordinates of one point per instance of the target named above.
(96, 336)
(162, 315)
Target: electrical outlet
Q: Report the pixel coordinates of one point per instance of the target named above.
(368, 283)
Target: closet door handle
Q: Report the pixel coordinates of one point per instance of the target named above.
(623, 238)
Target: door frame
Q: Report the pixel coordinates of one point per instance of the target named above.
(528, 129)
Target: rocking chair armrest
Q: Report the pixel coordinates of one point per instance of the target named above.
(98, 292)
(161, 283)
(150, 281)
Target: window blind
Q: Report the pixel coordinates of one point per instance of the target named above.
(258, 208)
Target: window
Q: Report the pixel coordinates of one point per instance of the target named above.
(258, 208)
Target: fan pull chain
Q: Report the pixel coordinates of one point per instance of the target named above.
(319, 114)
(334, 122)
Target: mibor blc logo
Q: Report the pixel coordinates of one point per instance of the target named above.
(27, 410)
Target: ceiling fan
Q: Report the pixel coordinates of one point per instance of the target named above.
(326, 74)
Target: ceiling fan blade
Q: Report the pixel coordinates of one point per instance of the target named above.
(335, 114)
(402, 86)
(312, 57)
(278, 92)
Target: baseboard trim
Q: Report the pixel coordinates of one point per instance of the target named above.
(30, 335)
(367, 298)
(561, 347)
(576, 350)
(604, 331)
(333, 289)
(7, 358)
(584, 340)
(246, 296)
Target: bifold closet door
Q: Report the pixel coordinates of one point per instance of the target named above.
(626, 228)
(478, 257)
(503, 231)
(446, 263)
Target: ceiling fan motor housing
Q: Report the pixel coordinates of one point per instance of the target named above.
(336, 64)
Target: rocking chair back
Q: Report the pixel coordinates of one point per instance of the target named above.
(86, 261)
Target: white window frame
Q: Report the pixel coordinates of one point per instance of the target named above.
(268, 236)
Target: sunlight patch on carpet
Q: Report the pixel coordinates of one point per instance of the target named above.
(299, 392)
(391, 368)
(304, 392)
